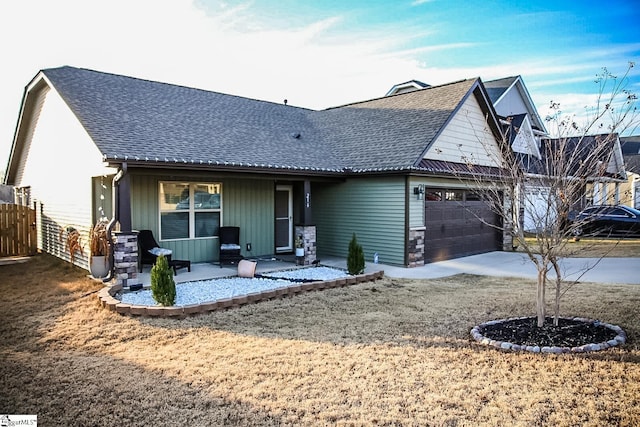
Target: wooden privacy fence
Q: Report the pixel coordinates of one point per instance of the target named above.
(18, 233)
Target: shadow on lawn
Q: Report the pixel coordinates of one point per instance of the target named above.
(66, 388)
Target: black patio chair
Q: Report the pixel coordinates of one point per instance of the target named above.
(149, 249)
(230, 245)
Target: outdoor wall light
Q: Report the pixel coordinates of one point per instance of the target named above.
(419, 191)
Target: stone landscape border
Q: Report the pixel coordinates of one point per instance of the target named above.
(620, 338)
(107, 299)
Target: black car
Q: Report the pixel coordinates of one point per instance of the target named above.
(607, 220)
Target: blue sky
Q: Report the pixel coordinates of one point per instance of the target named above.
(321, 53)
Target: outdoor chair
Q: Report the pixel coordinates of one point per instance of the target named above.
(230, 245)
(149, 249)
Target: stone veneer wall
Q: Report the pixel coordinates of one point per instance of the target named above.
(125, 258)
(308, 233)
(416, 247)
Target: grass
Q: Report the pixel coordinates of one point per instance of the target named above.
(393, 352)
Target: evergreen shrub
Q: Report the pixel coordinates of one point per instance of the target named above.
(163, 288)
(355, 257)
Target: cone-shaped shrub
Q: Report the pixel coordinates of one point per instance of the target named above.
(355, 257)
(163, 288)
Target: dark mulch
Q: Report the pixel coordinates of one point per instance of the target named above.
(568, 333)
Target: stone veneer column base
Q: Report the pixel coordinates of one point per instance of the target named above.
(308, 233)
(125, 258)
(416, 247)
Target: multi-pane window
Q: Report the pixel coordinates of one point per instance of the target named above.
(189, 210)
(23, 196)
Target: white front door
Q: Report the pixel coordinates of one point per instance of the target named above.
(284, 218)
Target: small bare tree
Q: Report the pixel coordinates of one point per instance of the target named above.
(535, 192)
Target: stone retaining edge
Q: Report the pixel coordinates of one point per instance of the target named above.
(619, 339)
(107, 300)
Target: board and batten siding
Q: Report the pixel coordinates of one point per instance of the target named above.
(57, 162)
(246, 203)
(373, 208)
(466, 138)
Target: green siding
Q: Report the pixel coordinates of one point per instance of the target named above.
(416, 207)
(247, 203)
(373, 208)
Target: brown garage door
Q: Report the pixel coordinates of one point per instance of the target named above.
(454, 227)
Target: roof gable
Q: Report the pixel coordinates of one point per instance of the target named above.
(510, 96)
(521, 136)
(468, 137)
(393, 132)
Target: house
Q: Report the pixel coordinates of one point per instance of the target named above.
(182, 162)
(535, 150)
(630, 190)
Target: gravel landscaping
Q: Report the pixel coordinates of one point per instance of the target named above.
(189, 293)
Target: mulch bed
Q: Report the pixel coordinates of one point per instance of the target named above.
(568, 333)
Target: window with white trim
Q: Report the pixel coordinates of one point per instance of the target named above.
(190, 210)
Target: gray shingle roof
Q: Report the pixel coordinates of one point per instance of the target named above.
(580, 155)
(147, 121)
(391, 132)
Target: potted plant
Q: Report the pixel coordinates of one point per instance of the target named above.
(99, 249)
(299, 246)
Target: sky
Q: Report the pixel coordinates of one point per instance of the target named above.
(322, 53)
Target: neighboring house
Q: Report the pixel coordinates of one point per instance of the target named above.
(630, 190)
(85, 138)
(528, 137)
(405, 87)
(6, 194)
(524, 130)
(600, 185)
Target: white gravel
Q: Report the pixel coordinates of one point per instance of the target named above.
(216, 289)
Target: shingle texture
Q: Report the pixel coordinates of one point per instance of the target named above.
(573, 156)
(156, 122)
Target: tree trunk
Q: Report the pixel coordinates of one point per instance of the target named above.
(556, 304)
(540, 305)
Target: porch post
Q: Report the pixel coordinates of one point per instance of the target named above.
(124, 201)
(306, 212)
(306, 231)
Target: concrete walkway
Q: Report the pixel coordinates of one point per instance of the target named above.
(515, 264)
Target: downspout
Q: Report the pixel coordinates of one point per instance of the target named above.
(114, 218)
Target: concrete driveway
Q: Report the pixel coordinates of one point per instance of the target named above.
(515, 264)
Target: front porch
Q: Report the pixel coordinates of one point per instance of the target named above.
(207, 270)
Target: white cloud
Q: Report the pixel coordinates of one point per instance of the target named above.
(228, 50)
(232, 49)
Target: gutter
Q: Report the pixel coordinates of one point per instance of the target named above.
(115, 209)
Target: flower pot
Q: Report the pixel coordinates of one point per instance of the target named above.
(99, 266)
(299, 251)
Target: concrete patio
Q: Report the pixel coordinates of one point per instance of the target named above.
(205, 271)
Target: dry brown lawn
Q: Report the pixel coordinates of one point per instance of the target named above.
(391, 352)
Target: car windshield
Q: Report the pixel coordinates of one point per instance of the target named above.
(201, 201)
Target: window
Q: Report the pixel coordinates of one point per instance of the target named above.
(453, 195)
(189, 210)
(433, 196)
(23, 196)
(473, 197)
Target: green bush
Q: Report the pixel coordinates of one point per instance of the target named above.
(355, 258)
(163, 288)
